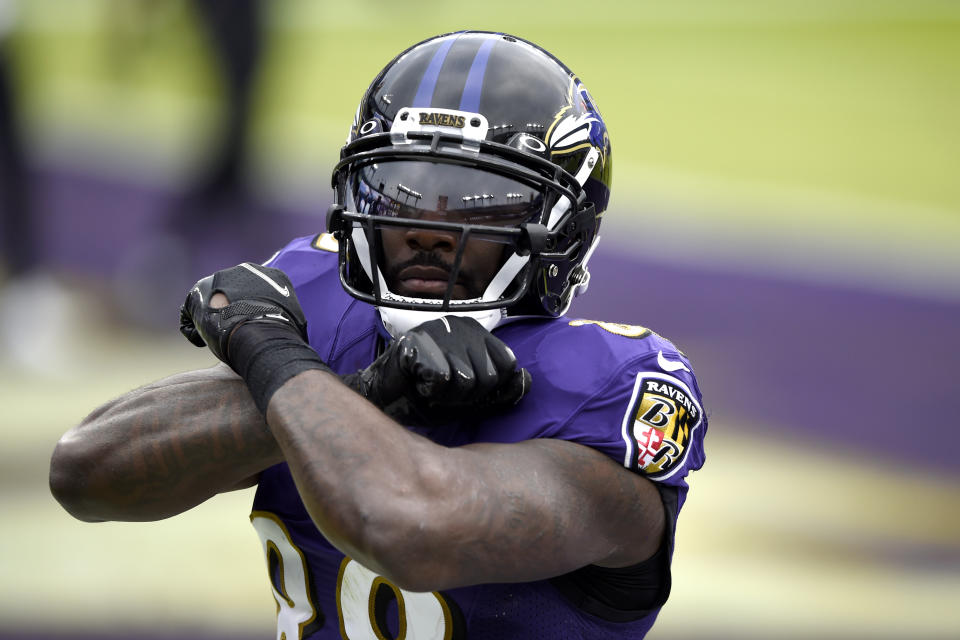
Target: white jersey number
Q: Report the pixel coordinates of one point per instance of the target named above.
(363, 597)
(289, 577)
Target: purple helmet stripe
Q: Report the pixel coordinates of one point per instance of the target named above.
(470, 101)
(428, 82)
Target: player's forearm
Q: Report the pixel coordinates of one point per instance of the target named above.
(162, 449)
(368, 483)
(429, 517)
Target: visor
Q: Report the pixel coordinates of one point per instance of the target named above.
(442, 192)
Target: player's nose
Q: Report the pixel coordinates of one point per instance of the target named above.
(431, 239)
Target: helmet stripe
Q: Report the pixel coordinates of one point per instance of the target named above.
(429, 80)
(470, 101)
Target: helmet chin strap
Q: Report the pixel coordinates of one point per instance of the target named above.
(399, 321)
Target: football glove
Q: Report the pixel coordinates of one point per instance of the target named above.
(254, 292)
(261, 334)
(452, 362)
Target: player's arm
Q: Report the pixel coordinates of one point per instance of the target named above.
(422, 515)
(429, 517)
(162, 449)
(166, 447)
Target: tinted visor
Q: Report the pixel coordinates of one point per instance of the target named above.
(414, 189)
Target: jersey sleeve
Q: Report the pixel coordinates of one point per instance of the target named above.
(630, 394)
(626, 392)
(305, 259)
(649, 420)
(662, 421)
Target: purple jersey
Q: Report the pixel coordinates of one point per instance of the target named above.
(620, 389)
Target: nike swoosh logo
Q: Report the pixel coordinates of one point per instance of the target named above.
(284, 291)
(670, 365)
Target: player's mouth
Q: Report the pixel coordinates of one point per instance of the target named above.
(421, 281)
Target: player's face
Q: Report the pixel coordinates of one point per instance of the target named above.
(418, 263)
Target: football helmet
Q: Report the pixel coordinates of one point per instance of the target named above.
(491, 140)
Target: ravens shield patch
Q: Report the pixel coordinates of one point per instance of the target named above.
(658, 427)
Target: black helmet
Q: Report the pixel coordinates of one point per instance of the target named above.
(499, 142)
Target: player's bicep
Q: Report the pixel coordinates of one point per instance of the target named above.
(630, 513)
(627, 508)
(609, 515)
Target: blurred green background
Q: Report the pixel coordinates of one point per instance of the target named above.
(816, 140)
(830, 121)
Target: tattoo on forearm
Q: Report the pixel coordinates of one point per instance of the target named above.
(178, 442)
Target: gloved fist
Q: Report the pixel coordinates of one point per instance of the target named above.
(261, 333)
(254, 293)
(446, 363)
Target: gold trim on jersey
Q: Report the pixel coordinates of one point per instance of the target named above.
(620, 329)
(326, 242)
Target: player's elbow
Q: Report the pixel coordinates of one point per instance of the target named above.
(70, 467)
(416, 580)
(411, 548)
(408, 564)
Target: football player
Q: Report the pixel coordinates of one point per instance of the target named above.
(439, 451)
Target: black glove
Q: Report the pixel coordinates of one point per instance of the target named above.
(443, 364)
(260, 334)
(254, 292)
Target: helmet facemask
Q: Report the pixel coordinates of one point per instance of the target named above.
(481, 198)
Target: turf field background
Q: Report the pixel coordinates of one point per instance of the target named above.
(804, 151)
